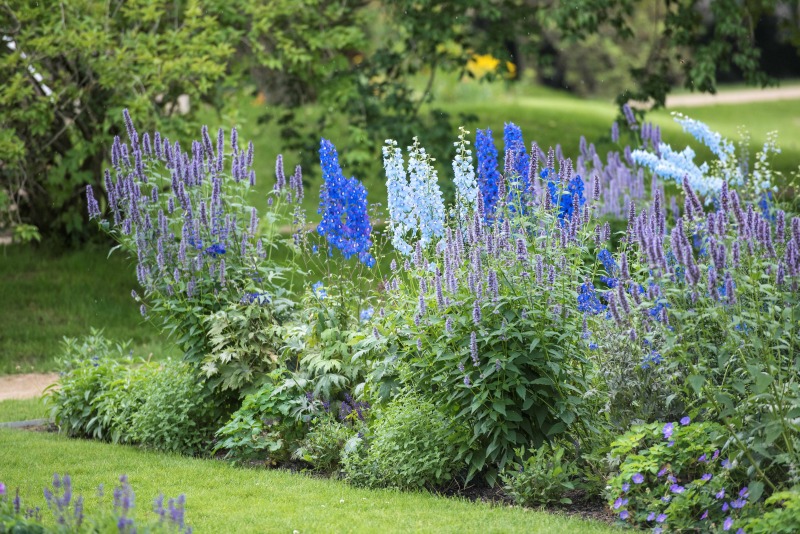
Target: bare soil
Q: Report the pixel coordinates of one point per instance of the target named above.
(25, 386)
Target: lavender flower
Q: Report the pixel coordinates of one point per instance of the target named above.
(473, 348)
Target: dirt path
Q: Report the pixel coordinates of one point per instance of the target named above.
(738, 96)
(25, 386)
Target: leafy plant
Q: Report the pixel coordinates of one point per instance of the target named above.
(781, 515)
(543, 478)
(672, 476)
(410, 444)
(325, 443)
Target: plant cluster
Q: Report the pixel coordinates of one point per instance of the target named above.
(67, 511)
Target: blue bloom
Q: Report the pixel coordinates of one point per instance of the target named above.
(343, 205)
(706, 477)
(520, 162)
(367, 314)
(637, 478)
(623, 515)
(661, 518)
(319, 290)
(667, 430)
(215, 250)
(564, 197)
(605, 257)
(488, 175)
(588, 301)
(685, 421)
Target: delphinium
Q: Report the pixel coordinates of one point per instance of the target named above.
(415, 202)
(486, 321)
(721, 301)
(673, 477)
(184, 216)
(488, 175)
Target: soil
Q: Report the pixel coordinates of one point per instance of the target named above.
(740, 96)
(26, 386)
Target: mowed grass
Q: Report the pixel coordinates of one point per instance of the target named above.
(23, 410)
(46, 296)
(222, 498)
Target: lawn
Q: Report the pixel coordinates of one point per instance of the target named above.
(222, 498)
(45, 296)
(23, 410)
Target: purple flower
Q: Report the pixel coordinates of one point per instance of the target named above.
(661, 518)
(744, 493)
(473, 348)
(619, 503)
(738, 503)
(2, 489)
(623, 515)
(651, 516)
(667, 430)
(725, 507)
(720, 494)
(662, 472)
(685, 421)
(637, 478)
(728, 523)
(703, 458)
(706, 477)
(626, 487)
(704, 516)
(726, 464)
(677, 488)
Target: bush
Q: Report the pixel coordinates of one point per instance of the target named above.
(325, 443)
(68, 515)
(782, 515)
(543, 478)
(409, 445)
(673, 477)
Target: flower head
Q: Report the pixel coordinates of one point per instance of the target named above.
(637, 478)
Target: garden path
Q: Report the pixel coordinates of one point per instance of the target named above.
(25, 386)
(736, 96)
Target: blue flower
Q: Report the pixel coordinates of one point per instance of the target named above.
(488, 175)
(367, 314)
(667, 430)
(343, 205)
(215, 250)
(685, 421)
(319, 290)
(588, 301)
(637, 478)
(706, 477)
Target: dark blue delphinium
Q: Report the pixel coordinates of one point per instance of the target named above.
(588, 301)
(488, 175)
(515, 148)
(343, 205)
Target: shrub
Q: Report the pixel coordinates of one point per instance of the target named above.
(409, 445)
(542, 478)
(68, 514)
(782, 515)
(91, 368)
(324, 444)
(270, 422)
(672, 477)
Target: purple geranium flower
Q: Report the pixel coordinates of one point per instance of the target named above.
(661, 518)
(638, 478)
(685, 421)
(706, 477)
(677, 488)
(727, 524)
(651, 516)
(623, 515)
(705, 515)
(720, 494)
(2, 489)
(626, 487)
(619, 503)
(702, 458)
(662, 472)
(667, 430)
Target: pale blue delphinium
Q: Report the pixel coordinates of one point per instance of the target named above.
(464, 177)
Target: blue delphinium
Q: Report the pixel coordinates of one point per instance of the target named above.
(488, 175)
(588, 301)
(464, 178)
(520, 162)
(343, 205)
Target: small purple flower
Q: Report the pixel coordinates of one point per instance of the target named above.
(704, 516)
(466, 380)
(662, 472)
(706, 477)
(728, 523)
(671, 443)
(661, 518)
(677, 488)
(638, 478)
(685, 421)
(703, 458)
(720, 494)
(667, 430)
(744, 493)
(738, 504)
(623, 515)
(725, 507)
(626, 487)
(619, 503)
(2, 489)
(726, 464)
(651, 516)
(716, 455)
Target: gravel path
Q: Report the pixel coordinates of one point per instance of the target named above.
(25, 386)
(739, 96)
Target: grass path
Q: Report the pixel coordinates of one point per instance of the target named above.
(222, 498)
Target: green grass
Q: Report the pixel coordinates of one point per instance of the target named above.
(44, 297)
(23, 410)
(222, 498)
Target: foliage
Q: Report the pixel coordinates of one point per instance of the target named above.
(70, 70)
(782, 514)
(672, 477)
(325, 443)
(91, 369)
(270, 422)
(543, 478)
(68, 514)
(217, 274)
(410, 445)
